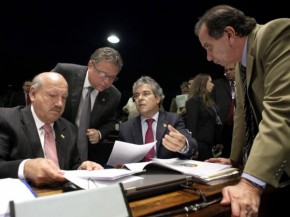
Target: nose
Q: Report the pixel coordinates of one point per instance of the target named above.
(209, 56)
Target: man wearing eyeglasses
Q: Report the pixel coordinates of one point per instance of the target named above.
(168, 128)
(101, 72)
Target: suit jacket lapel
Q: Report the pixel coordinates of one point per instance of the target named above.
(161, 129)
(29, 128)
(60, 140)
(77, 82)
(99, 105)
(137, 131)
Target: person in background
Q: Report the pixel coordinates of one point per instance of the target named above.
(101, 72)
(173, 139)
(130, 108)
(22, 137)
(224, 96)
(260, 144)
(21, 97)
(202, 117)
(173, 105)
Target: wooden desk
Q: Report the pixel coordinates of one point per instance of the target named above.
(170, 201)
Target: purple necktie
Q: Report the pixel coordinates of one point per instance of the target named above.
(149, 137)
(49, 144)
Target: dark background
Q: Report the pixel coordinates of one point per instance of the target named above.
(157, 38)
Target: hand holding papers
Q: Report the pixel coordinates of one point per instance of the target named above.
(124, 152)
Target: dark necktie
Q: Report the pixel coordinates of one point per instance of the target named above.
(28, 101)
(84, 125)
(250, 123)
(49, 144)
(149, 137)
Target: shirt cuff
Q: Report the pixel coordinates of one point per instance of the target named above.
(185, 149)
(254, 180)
(21, 169)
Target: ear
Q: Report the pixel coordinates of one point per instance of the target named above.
(230, 33)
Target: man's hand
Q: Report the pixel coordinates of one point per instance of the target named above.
(219, 160)
(93, 135)
(243, 197)
(174, 141)
(90, 165)
(41, 171)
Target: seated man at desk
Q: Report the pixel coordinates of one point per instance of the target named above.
(167, 128)
(28, 150)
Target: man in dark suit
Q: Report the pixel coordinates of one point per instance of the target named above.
(22, 137)
(102, 70)
(21, 97)
(224, 96)
(173, 139)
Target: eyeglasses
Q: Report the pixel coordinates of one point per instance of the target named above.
(104, 74)
(144, 94)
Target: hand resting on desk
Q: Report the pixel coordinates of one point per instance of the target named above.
(41, 171)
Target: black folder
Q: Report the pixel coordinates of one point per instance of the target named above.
(156, 180)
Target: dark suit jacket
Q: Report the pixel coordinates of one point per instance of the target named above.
(16, 99)
(131, 131)
(201, 121)
(19, 140)
(103, 116)
(222, 95)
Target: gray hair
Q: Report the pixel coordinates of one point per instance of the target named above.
(218, 17)
(108, 54)
(155, 87)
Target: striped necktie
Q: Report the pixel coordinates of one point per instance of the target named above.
(250, 123)
(49, 144)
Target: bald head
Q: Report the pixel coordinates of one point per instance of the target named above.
(48, 94)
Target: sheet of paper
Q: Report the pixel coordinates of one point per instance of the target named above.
(192, 167)
(12, 189)
(124, 152)
(180, 100)
(90, 184)
(105, 174)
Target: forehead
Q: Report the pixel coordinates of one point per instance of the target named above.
(143, 87)
(204, 37)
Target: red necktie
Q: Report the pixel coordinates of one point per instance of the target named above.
(149, 137)
(49, 144)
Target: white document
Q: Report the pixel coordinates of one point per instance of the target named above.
(105, 174)
(91, 184)
(12, 189)
(189, 167)
(124, 152)
(180, 100)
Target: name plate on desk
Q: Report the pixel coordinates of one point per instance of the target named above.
(101, 202)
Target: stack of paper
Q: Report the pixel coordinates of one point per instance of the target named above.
(204, 172)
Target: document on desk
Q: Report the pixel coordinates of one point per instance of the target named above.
(105, 174)
(13, 189)
(124, 152)
(204, 172)
(90, 183)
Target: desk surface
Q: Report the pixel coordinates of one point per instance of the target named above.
(170, 201)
